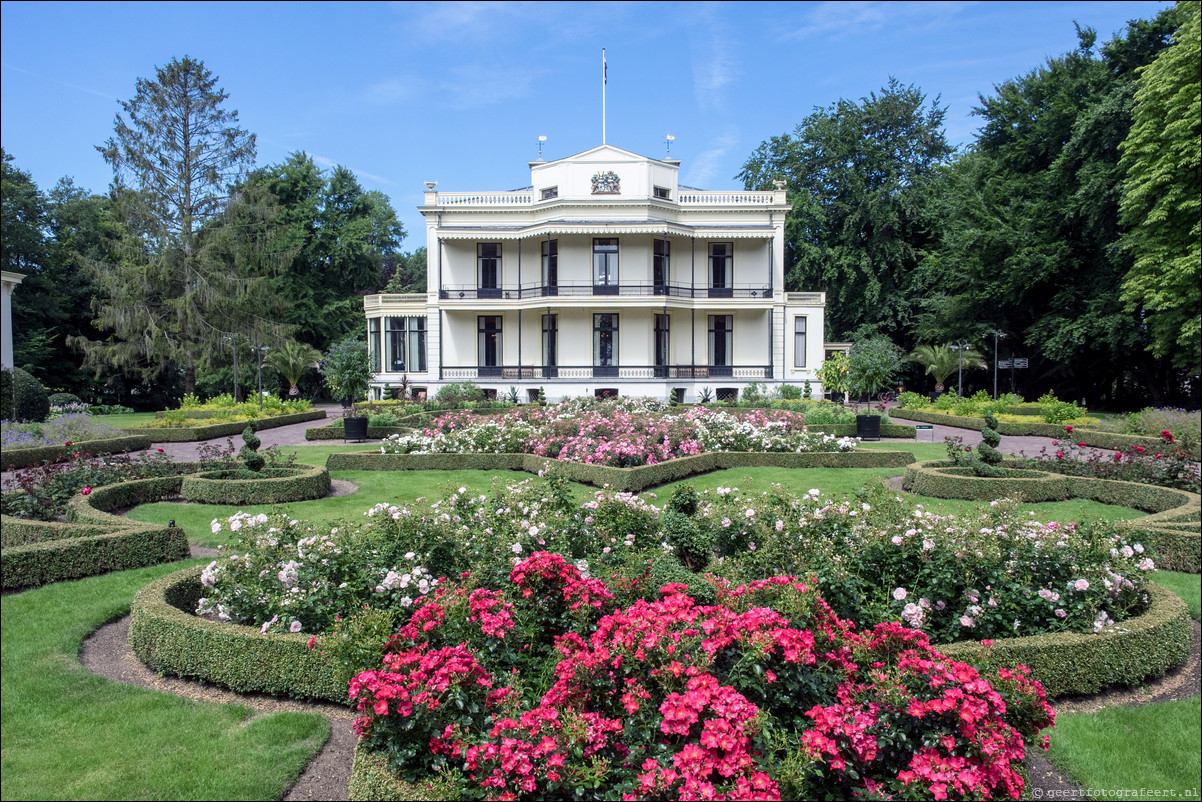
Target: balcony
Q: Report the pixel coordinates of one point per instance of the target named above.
(621, 372)
(526, 198)
(472, 292)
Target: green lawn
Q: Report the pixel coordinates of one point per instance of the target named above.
(1187, 586)
(1145, 752)
(130, 420)
(69, 734)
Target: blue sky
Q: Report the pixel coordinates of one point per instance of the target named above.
(458, 93)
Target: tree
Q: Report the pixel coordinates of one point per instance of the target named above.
(409, 274)
(942, 361)
(872, 363)
(346, 369)
(859, 175)
(176, 153)
(1162, 156)
(291, 360)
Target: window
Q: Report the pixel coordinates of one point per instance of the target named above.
(661, 266)
(373, 343)
(417, 344)
(488, 346)
(662, 193)
(661, 346)
(605, 345)
(488, 269)
(549, 193)
(550, 346)
(551, 267)
(799, 342)
(405, 344)
(605, 267)
(721, 344)
(722, 259)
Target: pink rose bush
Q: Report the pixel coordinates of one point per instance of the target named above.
(766, 694)
(624, 433)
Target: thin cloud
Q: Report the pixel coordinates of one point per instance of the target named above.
(77, 87)
(714, 65)
(705, 166)
(833, 20)
(324, 162)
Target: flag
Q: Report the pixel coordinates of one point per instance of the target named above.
(604, 69)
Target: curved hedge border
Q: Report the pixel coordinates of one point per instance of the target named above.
(1071, 663)
(300, 483)
(1090, 437)
(33, 455)
(167, 637)
(93, 541)
(1173, 522)
(337, 432)
(193, 433)
(621, 479)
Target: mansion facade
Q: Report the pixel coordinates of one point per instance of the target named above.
(604, 276)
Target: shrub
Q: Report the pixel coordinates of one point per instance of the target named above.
(1053, 410)
(23, 397)
(458, 393)
(912, 400)
(789, 391)
(63, 399)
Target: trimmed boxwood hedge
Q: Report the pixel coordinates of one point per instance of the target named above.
(621, 479)
(33, 455)
(371, 781)
(338, 433)
(1072, 663)
(93, 541)
(1172, 524)
(194, 433)
(277, 485)
(167, 637)
(1090, 437)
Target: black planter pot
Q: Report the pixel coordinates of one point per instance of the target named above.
(868, 427)
(354, 429)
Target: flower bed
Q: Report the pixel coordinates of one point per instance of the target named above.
(616, 434)
(228, 429)
(1172, 526)
(1166, 464)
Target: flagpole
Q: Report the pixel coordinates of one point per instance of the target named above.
(604, 81)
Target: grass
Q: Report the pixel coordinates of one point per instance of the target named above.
(1187, 586)
(69, 734)
(129, 420)
(1145, 752)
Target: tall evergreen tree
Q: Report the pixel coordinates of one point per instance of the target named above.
(176, 153)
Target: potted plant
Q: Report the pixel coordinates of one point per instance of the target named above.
(346, 370)
(872, 364)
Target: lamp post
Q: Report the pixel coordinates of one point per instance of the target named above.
(997, 335)
(959, 346)
(259, 349)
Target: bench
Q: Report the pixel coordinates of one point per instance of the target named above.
(924, 427)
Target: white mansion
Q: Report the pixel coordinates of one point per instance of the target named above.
(605, 275)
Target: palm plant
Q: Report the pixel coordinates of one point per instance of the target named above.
(942, 361)
(291, 360)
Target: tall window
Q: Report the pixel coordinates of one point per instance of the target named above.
(550, 346)
(488, 269)
(489, 345)
(417, 344)
(799, 342)
(373, 343)
(661, 266)
(551, 267)
(605, 267)
(661, 346)
(722, 263)
(394, 338)
(605, 345)
(721, 342)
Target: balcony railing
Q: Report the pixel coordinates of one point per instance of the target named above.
(472, 292)
(684, 197)
(623, 372)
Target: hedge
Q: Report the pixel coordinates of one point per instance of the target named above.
(371, 781)
(194, 433)
(278, 485)
(92, 541)
(166, 636)
(202, 414)
(1090, 437)
(1173, 522)
(338, 433)
(620, 479)
(1074, 663)
(33, 455)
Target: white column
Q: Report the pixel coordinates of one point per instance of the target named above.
(9, 281)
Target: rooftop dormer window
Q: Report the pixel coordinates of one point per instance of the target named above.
(549, 193)
(662, 193)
